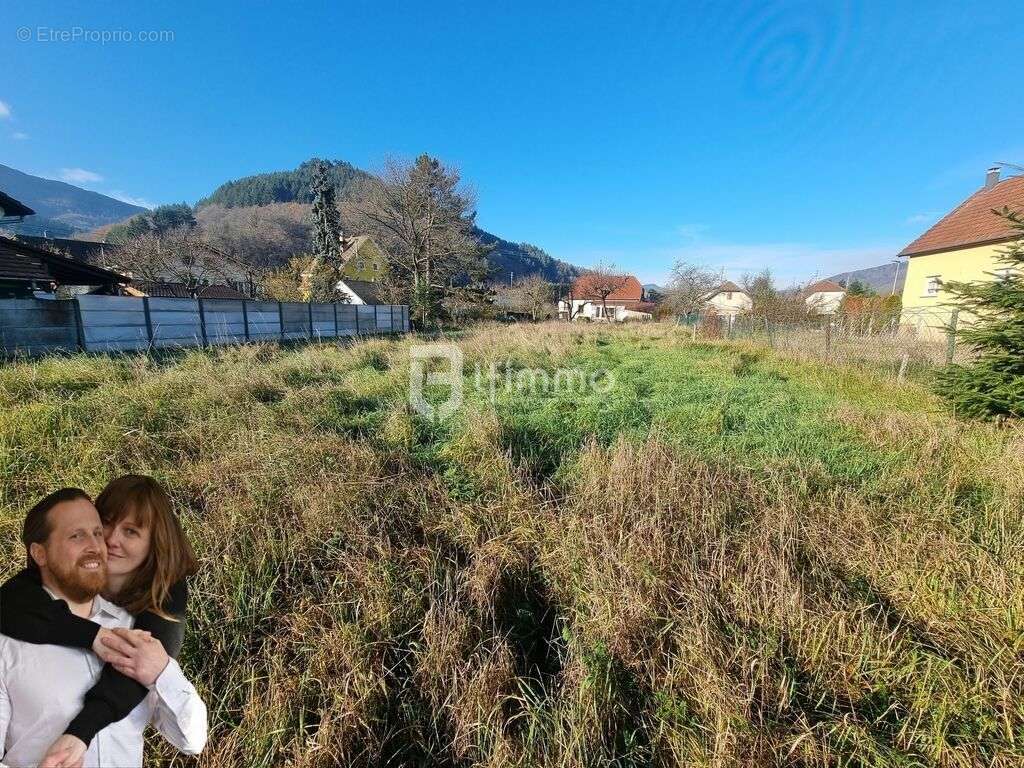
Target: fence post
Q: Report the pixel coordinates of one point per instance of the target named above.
(903, 367)
(309, 305)
(202, 321)
(149, 320)
(280, 319)
(951, 346)
(245, 319)
(337, 330)
(356, 307)
(828, 337)
(376, 318)
(79, 328)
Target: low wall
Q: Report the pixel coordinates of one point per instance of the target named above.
(119, 323)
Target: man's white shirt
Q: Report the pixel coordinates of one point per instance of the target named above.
(42, 688)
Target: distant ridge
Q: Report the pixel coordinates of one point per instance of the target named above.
(61, 209)
(879, 279)
(508, 259)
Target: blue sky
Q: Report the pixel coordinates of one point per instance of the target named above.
(807, 137)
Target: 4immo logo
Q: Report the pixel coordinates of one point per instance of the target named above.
(437, 380)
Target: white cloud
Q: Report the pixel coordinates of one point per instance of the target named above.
(124, 197)
(79, 176)
(19, 135)
(5, 110)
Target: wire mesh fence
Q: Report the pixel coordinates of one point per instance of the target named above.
(903, 341)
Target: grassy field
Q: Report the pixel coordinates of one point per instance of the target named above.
(730, 558)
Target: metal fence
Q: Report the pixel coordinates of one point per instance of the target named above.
(118, 323)
(913, 338)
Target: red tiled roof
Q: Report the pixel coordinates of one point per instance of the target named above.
(824, 286)
(972, 222)
(629, 290)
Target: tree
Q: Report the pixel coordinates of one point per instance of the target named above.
(178, 256)
(602, 281)
(857, 288)
(531, 295)
(689, 286)
(991, 387)
(424, 220)
(259, 239)
(303, 278)
(163, 218)
(325, 218)
(761, 290)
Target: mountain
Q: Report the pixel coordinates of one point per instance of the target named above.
(518, 259)
(61, 209)
(879, 279)
(286, 186)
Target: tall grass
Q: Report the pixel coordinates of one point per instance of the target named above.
(733, 557)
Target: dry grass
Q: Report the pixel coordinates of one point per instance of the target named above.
(733, 558)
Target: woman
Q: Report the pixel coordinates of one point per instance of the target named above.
(148, 562)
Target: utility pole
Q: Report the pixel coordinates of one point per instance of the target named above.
(895, 277)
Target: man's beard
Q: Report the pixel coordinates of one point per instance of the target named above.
(77, 583)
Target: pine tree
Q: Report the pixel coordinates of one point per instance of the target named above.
(992, 385)
(325, 218)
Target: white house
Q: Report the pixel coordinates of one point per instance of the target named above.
(359, 291)
(626, 302)
(823, 297)
(729, 300)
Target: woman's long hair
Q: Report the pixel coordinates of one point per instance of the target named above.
(170, 558)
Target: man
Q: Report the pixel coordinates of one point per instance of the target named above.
(42, 686)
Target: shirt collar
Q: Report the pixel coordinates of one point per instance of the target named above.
(100, 605)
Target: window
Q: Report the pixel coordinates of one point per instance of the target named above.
(932, 284)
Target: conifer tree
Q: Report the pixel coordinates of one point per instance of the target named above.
(325, 218)
(992, 323)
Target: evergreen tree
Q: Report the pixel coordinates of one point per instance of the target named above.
(992, 385)
(325, 218)
(857, 288)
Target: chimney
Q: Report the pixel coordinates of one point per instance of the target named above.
(992, 177)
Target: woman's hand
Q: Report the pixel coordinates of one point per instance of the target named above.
(107, 652)
(139, 655)
(66, 752)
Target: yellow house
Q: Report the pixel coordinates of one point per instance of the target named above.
(362, 259)
(963, 246)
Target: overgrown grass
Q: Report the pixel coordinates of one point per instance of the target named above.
(730, 557)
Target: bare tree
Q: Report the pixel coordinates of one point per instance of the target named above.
(689, 286)
(422, 216)
(260, 239)
(177, 255)
(533, 295)
(601, 282)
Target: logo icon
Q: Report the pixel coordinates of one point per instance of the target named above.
(423, 376)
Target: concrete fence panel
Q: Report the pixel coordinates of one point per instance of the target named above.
(122, 323)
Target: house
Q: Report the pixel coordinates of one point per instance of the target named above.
(360, 291)
(584, 299)
(87, 251)
(823, 297)
(12, 210)
(729, 300)
(963, 246)
(26, 269)
(362, 259)
(164, 290)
